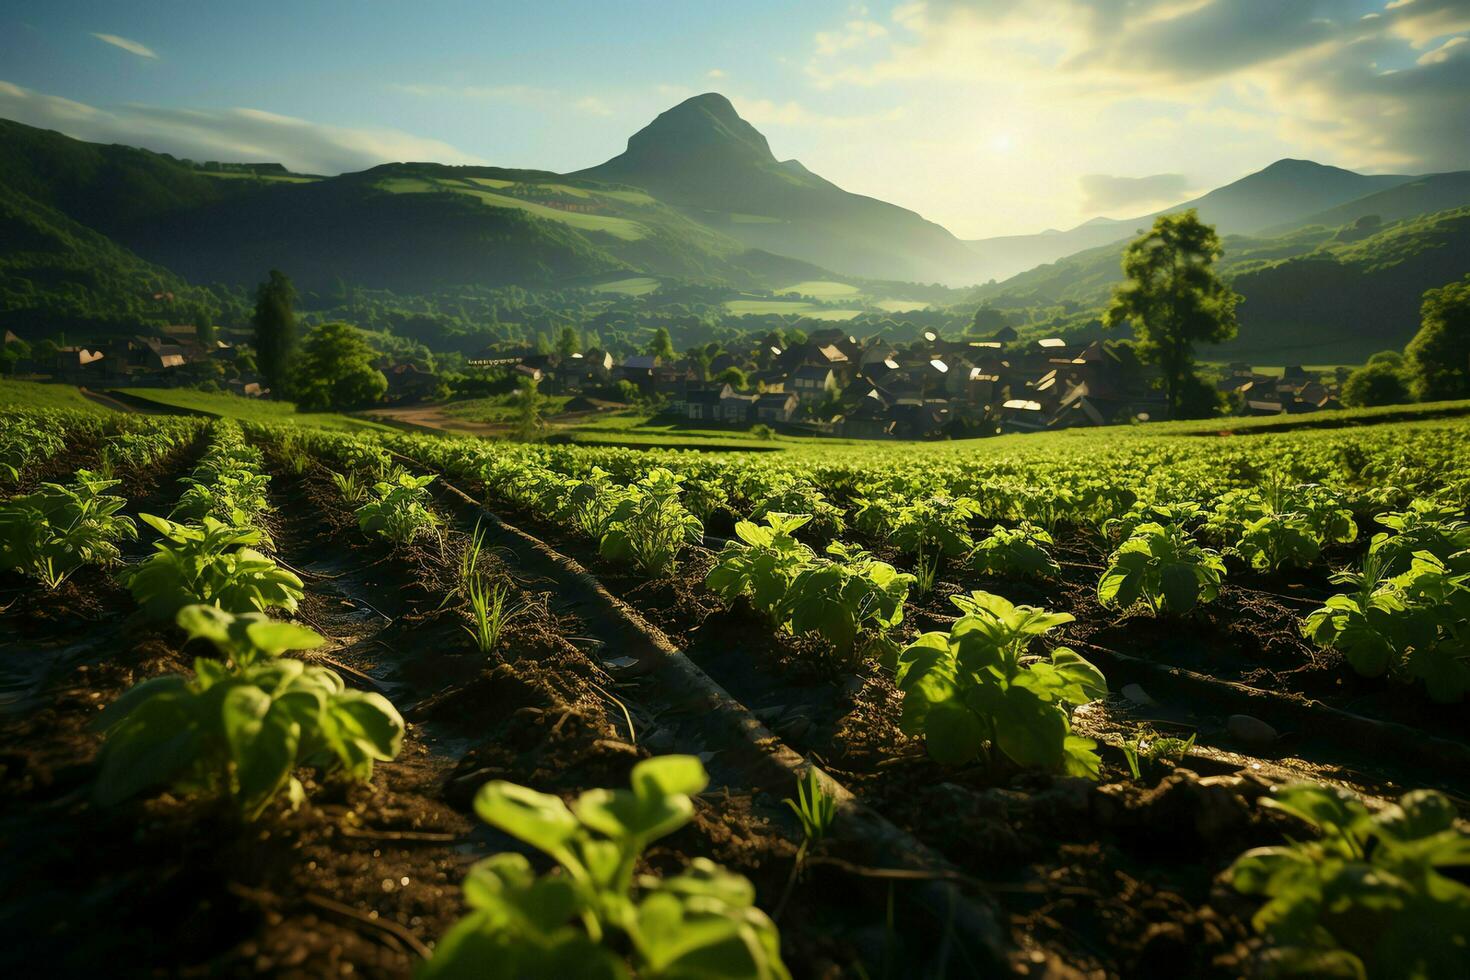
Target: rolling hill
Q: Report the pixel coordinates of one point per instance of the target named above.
(1313, 294)
(1285, 194)
(406, 227)
(704, 159)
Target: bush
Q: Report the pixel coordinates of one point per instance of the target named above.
(1380, 383)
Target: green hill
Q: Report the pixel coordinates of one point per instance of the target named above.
(704, 159)
(406, 227)
(55, 273)
(1420, 195)
(1311, 295)
(1284, 195)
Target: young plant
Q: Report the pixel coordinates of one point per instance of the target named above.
(977, 687)
(210, 563)
(1018, 552)
(400, 511)
(838, 599)
(1162, 567)
(1423, 527)
(487, 608)
(351, 487)
(651, 526)
(936, 525)
(814, 807)
(1368, 897)
(239, 728)
(762, 562)
(1412, 626)
(595, 918)
(1152, 749)
(52, 532)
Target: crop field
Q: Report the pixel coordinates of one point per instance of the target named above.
(1146, 702)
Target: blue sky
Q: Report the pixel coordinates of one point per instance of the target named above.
(989, 116)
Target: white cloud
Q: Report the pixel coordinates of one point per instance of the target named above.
(1108, 193)
(141, 50)
(515, 94)
(241, 135)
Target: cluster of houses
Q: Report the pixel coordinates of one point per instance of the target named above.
(833, 382)
(1294, 392)
(147, 362)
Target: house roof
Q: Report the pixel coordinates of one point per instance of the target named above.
(641, 362)
(775, 398)
(813, 372)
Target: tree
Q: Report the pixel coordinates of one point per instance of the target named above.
(1439, 355)
(1378, 383)
(335, 369)
(699, 359)
(1173, 298)
(988, 320)
(567, 342)
(529, 423)
(204, 328)
(732, 376)
(661, 346)
(275, 330)
(1390, 357)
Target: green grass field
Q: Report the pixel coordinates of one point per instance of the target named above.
(499, 408)
(41, 394)
(821, 289)
(901, 305)
(760, 307)
(248, 409)
(623, 228)
(635, 286)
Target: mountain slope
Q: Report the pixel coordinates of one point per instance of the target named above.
(406, 227)
(1418, 195)
(704, 159)
(1280, 196)
(1312, 295)
(57, 274)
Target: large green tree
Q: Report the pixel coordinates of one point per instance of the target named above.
(275, 329)
(335, 369)
(204, 331)
(661, 346)
(1439, 355)
(1377, 383)
(1173, 299)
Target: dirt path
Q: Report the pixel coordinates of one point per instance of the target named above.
(105, 400)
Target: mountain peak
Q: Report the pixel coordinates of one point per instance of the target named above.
(701, 139)
(700, 125)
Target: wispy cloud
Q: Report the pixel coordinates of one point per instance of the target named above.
(1104, 193)
(515, 94)
(236, 135)
(127, 44)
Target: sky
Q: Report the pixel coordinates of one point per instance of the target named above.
(991, 117)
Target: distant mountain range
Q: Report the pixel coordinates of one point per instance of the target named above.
(696, 196)
(1285, 195)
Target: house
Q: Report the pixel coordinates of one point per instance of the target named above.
(76, 364)
(813, 383)
(776, 406)
(409, 382)
(637, 370)
(703, 404)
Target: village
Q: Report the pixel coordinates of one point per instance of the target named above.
(826, 383)
(832, 383)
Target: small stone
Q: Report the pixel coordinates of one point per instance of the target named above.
(1250, 730)
(1136, 694)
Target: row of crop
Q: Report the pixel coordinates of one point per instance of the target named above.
(1170, 557)
(59, 528)
(980, 689)
(593, 914)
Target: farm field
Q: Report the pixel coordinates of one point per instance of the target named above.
(1039, 702)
